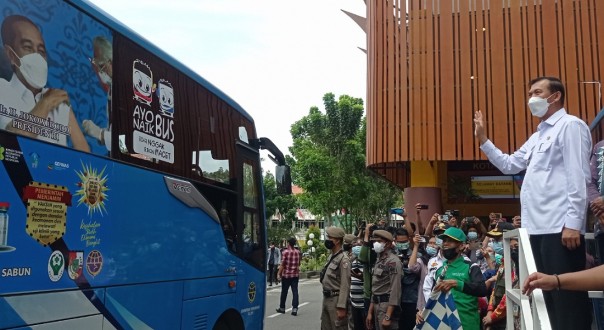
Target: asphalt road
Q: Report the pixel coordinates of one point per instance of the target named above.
(309, 309)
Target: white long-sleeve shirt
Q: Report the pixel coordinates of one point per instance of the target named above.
(433, 264)
(13, 94)
(556, 159)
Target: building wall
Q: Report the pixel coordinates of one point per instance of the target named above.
(430, 70)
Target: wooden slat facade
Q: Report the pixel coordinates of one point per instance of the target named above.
(431, 68)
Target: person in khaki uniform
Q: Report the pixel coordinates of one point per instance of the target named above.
(335, 278)
(386, 283)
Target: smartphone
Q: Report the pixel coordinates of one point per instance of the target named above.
(445, 217)
(469, 219)
(498, 216)
(422, 206)
(422, 239)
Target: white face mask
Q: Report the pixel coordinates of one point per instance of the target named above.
(378, 247)
(538, 105)
(34, 69)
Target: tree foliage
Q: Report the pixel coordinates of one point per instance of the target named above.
(328, 162)
(286, 205)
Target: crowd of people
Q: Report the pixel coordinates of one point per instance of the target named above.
(402, 270)
(382, 277)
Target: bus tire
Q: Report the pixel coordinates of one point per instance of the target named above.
(229, 320)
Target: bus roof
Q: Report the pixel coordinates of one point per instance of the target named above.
(108, 20)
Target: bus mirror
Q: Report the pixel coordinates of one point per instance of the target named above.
(283, 178)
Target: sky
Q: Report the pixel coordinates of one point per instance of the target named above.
(275, 58)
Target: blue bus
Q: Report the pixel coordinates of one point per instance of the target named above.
(130, 187)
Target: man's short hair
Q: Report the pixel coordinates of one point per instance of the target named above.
(291, 241)
(402, 232)
(105, 47)
(8, 28)
(555, 85)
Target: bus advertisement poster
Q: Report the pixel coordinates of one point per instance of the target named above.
(55, 75)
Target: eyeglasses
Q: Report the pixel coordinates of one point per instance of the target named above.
(98, 64)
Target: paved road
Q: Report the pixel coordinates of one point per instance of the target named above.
(309, 310)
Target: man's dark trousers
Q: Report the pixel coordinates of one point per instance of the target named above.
(286, 283)
(566, 309)
(271, 274)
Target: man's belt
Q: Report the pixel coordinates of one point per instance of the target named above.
(380, 298)
(330, 293)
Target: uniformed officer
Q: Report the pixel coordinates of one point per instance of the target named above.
(348, 239)
(335, 278)
(386, 283)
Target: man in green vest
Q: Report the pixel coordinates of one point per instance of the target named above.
(463, 277)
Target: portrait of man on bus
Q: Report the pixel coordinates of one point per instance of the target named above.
(28, 106)
(102, 64)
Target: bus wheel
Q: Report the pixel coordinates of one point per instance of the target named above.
(230, 320)
(221, 325)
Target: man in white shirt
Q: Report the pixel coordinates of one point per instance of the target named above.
(554, 193)
(27, 107)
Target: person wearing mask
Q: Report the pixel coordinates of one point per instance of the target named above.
(335, 278)
(27, 93)
(289, 275)
(495, 318)
(461, 277)
(474, 230)
(273, 255)
(386, 284)
(435, 262)
(410, 279)
(420, 257)
(356, 312)
(367, 257)
(554, 193)
(494, 260)
(102, 64)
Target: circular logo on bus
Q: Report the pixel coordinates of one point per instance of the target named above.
(94, 262)
(251, 291)
(56, 266)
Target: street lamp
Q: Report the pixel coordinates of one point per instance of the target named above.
(312, 249)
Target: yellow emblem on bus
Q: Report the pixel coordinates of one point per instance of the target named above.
(93, 188)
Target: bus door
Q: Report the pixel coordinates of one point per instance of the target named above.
(250, 212)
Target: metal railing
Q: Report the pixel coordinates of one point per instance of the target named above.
(531, 310)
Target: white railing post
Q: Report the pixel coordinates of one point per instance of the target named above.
(532, 309)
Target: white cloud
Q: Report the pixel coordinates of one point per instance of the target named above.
(275, 58)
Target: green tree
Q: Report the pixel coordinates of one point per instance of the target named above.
(328, 162)
(284, 204)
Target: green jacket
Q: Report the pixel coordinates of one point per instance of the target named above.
(367, 257)
(470, 285)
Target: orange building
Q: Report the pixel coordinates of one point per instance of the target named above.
(432, 63)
